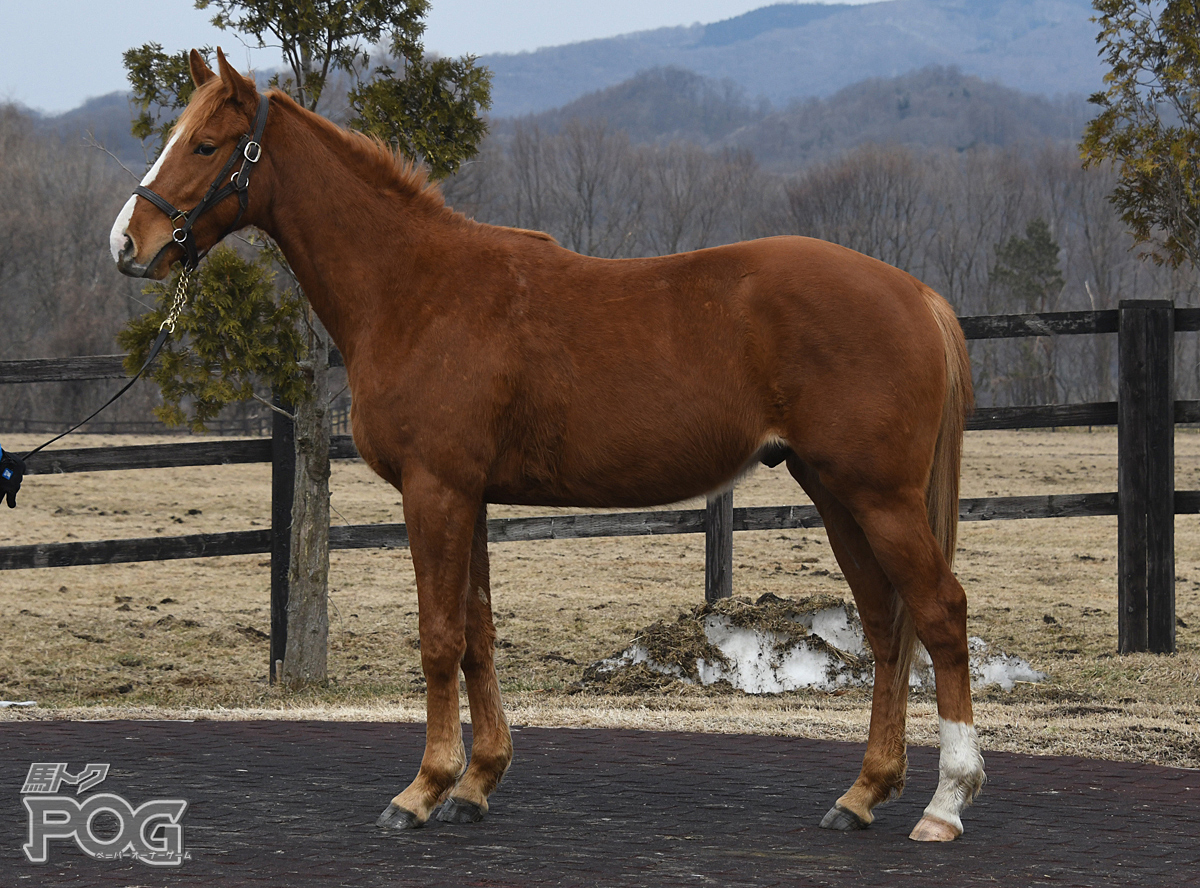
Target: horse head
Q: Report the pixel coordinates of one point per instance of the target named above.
(184, 205)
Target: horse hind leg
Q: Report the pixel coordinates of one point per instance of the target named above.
(889, 633)
(491, 744)
(904, 545)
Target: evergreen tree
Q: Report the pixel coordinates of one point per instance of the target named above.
(1026, 268)
(1027, 276)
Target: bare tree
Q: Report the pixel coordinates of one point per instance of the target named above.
(532, 178)
(686, 197)
(755, 200)
(60, 293)
(596, 188)
(873, 200)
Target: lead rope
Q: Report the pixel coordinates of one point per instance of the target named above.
(165, 329)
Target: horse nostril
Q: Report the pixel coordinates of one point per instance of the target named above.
(127, 254)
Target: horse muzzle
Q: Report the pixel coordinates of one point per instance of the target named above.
(127, 261)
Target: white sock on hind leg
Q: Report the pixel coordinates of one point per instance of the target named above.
(960, 770)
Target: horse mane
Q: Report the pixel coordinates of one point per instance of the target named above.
(373, 158)
(528, 232)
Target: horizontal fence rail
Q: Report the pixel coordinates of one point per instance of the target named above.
(81, 369)
(718, 514)
(552, 527)
(168, 456)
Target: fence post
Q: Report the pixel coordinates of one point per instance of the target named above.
(1146, 477)
(718, 547)
(283, 487)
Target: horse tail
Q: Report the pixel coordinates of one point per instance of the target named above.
(941, 491)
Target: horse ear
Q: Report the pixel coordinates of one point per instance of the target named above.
(239, 88)
(201, 73)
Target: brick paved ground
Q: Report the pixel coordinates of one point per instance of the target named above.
(293, 804)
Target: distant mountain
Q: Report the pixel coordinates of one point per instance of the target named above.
(934, 107)
(769, 18)
(105, 119)
(792, 82)
(789, 51)
(657, 105)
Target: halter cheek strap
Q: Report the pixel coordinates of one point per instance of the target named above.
(249, 150)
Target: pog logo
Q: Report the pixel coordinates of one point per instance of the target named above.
(151, 833)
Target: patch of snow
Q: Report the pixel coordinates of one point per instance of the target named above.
(834, 626)
(986, 668)
(760, 664)
(765, 662)
(1000, 668)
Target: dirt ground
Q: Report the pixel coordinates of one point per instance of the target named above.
(188, 638)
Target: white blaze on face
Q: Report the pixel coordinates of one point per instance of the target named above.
(116, 238)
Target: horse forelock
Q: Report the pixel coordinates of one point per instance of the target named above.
(205, 102)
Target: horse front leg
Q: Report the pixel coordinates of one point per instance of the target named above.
(491, 742)
(441, 522)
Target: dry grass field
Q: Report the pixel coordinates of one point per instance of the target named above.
(188, 638)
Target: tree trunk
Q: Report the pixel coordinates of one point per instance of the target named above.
(304, 662)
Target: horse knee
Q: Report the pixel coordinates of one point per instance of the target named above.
(480, 644)
(441, 658)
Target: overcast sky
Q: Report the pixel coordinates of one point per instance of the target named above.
(54, 54)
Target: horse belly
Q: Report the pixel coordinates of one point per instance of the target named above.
(619, 448)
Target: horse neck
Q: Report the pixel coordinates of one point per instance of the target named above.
(349, 243)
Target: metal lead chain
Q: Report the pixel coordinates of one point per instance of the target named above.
(181, 295)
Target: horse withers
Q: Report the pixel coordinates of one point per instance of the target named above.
(490, 365)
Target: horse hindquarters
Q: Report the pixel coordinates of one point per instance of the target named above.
(896, 544)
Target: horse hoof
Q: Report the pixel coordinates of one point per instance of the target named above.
(395, 817)
(843, 819)
(459, 811)
(933, 829)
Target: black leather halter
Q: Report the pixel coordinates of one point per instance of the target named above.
(249, 148)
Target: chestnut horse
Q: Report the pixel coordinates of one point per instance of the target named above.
(490, 365)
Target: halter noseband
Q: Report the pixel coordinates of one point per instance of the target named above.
(249, 148)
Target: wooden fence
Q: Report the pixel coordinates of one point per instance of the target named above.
(1145, 501)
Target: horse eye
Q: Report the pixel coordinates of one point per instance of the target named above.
(206, 149)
